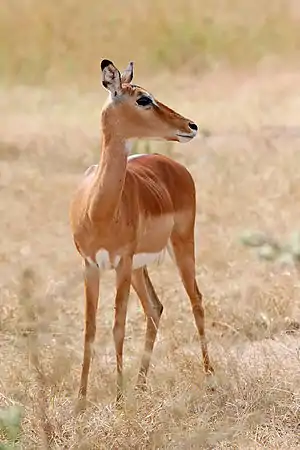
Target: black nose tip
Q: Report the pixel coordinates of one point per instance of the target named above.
(193, 126)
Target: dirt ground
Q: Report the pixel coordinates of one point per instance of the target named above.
(246, 168)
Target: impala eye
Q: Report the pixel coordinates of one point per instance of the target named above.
(144, 101)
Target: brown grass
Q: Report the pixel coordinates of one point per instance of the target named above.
(247, 178)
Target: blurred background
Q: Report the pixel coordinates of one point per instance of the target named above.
(63, 41)
(232, 66)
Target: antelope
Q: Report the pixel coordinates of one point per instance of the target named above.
(128, 210)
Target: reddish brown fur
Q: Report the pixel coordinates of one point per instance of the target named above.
(135, 207)
(154, 186)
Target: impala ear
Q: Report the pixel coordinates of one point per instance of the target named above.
(127, 75)
(111, 78)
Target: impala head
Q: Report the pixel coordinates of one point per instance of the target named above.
(132, 112)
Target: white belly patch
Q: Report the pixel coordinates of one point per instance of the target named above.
(144, 259)
(105, 262)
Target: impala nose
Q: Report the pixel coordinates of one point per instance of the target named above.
(193, 126)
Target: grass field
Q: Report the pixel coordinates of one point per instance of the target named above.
(246, 172)
(55, 42)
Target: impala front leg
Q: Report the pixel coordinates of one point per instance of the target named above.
(91, 285)
(123, 287)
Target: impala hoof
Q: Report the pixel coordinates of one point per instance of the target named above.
(211, 381)
(80, 405)
(141, 386)
(120, 401)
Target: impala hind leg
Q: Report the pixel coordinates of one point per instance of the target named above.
(91, 287)
(184, 256)
(153, 310)
(121, 301)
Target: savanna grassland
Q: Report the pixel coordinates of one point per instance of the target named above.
(232, 67)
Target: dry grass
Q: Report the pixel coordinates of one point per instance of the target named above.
(55, 41)
(247, 177)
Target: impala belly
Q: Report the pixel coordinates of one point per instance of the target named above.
(106, 262)
(152, 243)
(145, 259)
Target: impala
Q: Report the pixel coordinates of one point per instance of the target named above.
(128, 210)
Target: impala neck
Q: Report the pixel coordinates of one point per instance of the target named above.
(110, 174)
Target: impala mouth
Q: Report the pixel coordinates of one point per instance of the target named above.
(184, 137)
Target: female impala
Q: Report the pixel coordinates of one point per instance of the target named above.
(128, 210)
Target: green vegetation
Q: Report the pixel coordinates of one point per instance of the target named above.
(10, 426)
(270, 249)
